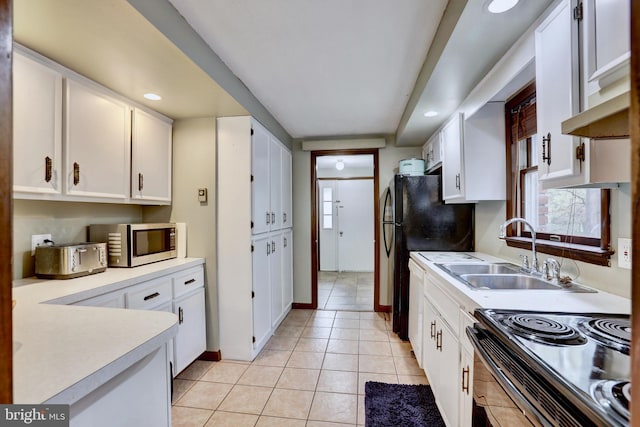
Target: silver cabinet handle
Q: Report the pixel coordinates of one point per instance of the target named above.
(285, 242)
(273, 217)
(465, 380)
(268, 218)
(140, 182)
(284, 217)
(273, 247)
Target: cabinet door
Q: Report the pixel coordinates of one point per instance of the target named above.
(261, 295)
(429, 358)
(190, 341)
(287, 191)
(97, 141)
(275, 187)
(416, 292)
(607, 37)
(275, 279)
(37, 127)
(466, 387)
(557, 93)
(452, 179)
(150, 158)
(287, 270)
(260, 197)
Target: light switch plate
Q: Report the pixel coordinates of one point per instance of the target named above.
(624, 253)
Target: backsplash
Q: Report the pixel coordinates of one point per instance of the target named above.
(489, 216)
(65, 221)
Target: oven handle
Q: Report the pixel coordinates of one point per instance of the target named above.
(527, 409)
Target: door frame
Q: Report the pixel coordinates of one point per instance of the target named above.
(315, 224)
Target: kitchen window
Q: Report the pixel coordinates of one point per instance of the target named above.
(570, 223)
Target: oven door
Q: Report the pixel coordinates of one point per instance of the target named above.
(510, 393)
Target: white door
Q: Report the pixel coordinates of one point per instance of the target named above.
(354, 199)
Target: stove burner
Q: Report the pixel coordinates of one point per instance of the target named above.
(615, 395)
(612, 332)
(543, 329)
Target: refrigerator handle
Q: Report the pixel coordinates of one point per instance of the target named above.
(387, 245)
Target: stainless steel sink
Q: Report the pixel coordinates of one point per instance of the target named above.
(479, 268)
(504, 276)
(506, 281)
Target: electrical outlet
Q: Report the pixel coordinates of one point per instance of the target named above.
(624, 253)
(38, 240)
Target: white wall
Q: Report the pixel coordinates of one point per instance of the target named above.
(66, 222)
(194, 166)
(489, 216)
(388, 158)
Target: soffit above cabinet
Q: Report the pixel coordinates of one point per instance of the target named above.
(609, 119)
(108, 41)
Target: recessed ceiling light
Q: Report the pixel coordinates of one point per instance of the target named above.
(339, 165)
(431, 114)
(499, 6)
(152, 96)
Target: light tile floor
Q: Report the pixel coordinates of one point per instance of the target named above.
(311, 374)
(345, 291)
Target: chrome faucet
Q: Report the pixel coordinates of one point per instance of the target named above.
(551, 270)
(503, 234)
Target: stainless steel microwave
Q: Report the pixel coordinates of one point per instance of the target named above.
(131, 245)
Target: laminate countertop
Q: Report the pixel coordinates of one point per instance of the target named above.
(63, 352)
(530, 300)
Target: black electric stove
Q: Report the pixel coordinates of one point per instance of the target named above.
(563, 369)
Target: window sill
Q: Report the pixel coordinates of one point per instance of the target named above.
(588, 254)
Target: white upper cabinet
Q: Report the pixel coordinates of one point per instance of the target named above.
(275, 187)
(260, 194)
(432, 152)
(287, 191)
(473, 156)
(558, 96)
(37, 127)
(97, 140)
(607, 30)
(452, 170)
(150, 157)
(80, 148)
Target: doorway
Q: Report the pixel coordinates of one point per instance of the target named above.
(345, 230)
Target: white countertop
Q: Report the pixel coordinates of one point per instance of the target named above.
(533, 300)
(61, 353)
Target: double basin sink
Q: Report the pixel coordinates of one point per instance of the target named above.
(504, 276)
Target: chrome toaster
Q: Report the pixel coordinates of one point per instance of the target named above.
(70, 260)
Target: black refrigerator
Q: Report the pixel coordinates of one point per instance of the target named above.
(416, 219)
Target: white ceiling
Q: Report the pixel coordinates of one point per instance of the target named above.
(322, 69)
(329, 67)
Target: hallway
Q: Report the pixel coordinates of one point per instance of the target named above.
(345, 290)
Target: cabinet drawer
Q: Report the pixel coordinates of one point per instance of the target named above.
(149, 294)
(447, 307)
(188, 280)
(111, 299)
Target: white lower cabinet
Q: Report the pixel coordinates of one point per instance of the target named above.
(190, 341)
(141, 394)
(416, 291)
(182, 293)
(447, 354)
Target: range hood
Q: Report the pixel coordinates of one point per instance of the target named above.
(609, 119)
